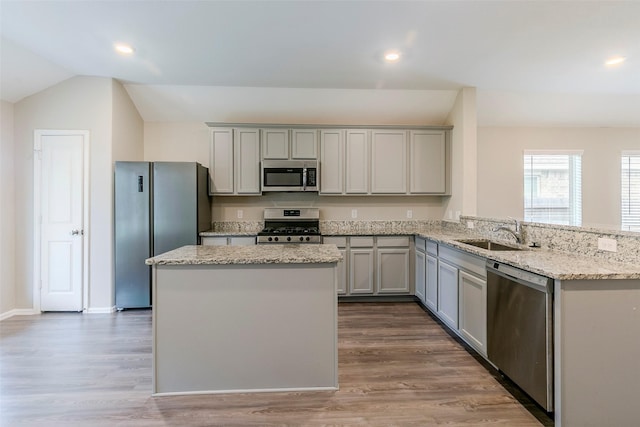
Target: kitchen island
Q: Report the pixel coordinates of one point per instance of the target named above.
(245, 319)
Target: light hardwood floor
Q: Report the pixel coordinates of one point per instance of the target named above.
(397, 367)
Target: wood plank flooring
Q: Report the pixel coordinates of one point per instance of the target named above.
(397, 367)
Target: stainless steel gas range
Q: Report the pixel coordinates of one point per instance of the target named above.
(290, 225)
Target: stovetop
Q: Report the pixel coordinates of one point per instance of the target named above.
(297, 225)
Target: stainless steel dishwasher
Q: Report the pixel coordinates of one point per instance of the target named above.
(520, 329)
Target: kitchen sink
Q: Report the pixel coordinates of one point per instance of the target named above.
(490, 245)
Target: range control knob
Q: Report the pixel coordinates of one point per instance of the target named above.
(301, 239)
(308, 238)
(288, 238)
(276, 239)
(270, 239)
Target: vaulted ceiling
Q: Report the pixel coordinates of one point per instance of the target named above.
(532, 62)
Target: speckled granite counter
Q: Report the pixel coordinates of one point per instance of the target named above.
(259, 254)
(563, 256)
(554, 264)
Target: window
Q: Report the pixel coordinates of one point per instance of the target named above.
(553, 187)
(631, 191)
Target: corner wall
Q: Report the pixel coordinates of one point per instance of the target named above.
(7, 211)
(77, 103)
(464, 165)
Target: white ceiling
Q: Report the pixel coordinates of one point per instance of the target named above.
(532, 62)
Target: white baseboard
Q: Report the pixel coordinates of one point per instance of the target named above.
(18, 312)
(100, 310)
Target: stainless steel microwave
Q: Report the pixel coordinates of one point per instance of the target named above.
(289, 175)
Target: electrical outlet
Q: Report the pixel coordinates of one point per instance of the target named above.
(457, 215)
(240, 213)
(409, 213)
(354, 213)
(470, 224)
(609, 245)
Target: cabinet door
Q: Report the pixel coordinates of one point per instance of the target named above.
(221, 161)
(343, 266)
(427, 162)
(331, 162)
(342, 273)
(388, 162)
(393, 270)
(247, 161)
(357, 162)
(431, 291)
(275, 143)
(214, 241)
(448, 294)
(473, 310)
(242, 241)
(304, 144)
(361, 271)
(421, 263)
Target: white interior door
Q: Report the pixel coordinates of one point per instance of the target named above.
(61, 204)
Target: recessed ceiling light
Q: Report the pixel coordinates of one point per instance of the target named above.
(615, 60)
(392, 56)
(123, 49)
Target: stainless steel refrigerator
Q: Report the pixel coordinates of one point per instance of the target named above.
(159, 207)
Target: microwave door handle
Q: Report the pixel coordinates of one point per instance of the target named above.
(304, 178)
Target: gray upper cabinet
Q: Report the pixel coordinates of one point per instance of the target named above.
(294, 144)
(388, 162)
(357, 161)
(235, 161)
(427, 162)
(381, 160)
(275, 144)
(332, 161)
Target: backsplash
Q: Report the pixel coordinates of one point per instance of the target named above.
(564, 238)
(238, 226)
(375, 227)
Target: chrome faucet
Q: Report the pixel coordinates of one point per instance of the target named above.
(518, 234)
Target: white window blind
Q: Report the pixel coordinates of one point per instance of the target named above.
(553, 187)
(631, 192)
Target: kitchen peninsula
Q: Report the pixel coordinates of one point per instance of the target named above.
(245, 318)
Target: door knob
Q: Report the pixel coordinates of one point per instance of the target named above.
(76, 232)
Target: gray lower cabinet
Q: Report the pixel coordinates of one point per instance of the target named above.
(228, 240)
(373, 265)
(448, 293)
(420, 272)
(431, 275)
(462, 295)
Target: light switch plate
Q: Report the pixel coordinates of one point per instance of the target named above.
(470, 224)
(354, 213)
(240, 213)
(409, 213)
(609, 245)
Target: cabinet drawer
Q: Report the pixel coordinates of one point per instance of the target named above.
(242, 241)
(214, 241)
(395, 241)
(362, 242)
(432, 248)
(465, 261)
(340, 242)
(421, 244)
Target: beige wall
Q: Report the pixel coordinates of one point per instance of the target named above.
(127, 127)
(463, 200)
(500, 168)
(7, 210)
(78, 103)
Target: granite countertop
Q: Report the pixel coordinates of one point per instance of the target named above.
(554, 264)
(227, 233)
(258, 254)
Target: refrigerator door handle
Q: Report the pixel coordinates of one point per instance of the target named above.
(140, 183)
